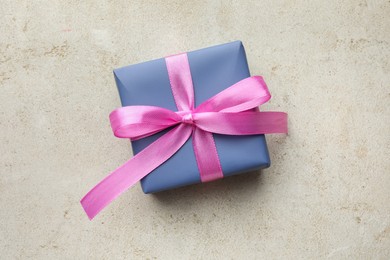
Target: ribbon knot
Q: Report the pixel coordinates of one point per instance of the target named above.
(187, 117)
(230, 112)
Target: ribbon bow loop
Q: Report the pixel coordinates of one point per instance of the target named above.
(136, 122)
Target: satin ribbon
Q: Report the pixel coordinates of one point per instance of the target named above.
(230, 112)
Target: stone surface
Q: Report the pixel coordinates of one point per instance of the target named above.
(326, 194)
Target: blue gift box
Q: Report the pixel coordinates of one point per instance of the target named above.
(213, 69)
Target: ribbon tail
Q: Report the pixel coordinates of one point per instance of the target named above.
(244, 123)
(134, 170)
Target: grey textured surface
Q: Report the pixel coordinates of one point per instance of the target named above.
(326, 195)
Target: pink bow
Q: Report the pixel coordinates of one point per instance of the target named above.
(230, 112)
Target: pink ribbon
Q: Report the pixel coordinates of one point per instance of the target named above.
(230, 112)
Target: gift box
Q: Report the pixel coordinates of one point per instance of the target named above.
(212, 69)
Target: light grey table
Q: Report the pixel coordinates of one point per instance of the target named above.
(327, 194)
